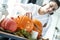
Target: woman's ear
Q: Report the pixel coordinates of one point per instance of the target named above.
(29, 14)
(39, 10)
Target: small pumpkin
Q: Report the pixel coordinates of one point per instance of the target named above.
(9, 24)
(24, 22)
(37, 27)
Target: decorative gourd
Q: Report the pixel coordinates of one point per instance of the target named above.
(9, 24)
(37, 27)
(18, 21)
(24, 22)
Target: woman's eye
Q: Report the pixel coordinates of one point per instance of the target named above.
(53, 9)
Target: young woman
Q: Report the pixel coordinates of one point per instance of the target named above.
(42, 13)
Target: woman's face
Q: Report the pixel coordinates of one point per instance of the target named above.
(50, 7)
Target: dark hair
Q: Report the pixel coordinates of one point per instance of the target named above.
(32, 1)
(57, 1)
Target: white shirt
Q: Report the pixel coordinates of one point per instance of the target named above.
(52, 23)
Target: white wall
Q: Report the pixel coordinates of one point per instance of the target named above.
(58, 14)
(45, 1)
(39, 2)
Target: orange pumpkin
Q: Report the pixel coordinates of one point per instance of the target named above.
(37, 27)
(23, 22)
(18, 21)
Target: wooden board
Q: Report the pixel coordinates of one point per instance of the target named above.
(4, 34)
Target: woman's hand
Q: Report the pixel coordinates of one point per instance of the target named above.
(29, 14)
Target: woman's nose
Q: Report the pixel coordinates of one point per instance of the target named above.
(50, 10)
